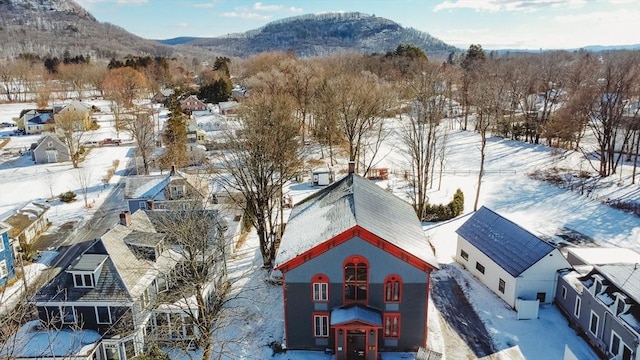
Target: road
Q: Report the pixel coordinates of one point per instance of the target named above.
(73, 239)
(464, 333)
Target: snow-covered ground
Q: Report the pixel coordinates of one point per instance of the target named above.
(253, 316)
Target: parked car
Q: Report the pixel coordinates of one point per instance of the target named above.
(110, 141)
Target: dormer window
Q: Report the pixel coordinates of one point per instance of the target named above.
(598, 287)
(621, 305)
(83, 280)
(86, 270)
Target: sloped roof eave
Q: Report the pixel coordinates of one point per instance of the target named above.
(347, 235)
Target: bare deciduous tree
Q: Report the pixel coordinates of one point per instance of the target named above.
(140, 126)
(70, 129)
(361, 102)
(83, 180)
(421, 131)
(197, 286)
(261, 156)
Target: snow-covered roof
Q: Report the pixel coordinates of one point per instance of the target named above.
(355, 313)
(505, 243)
(625, 277)
(349, 202)
(152, 186)
(144, 186)
(123, 276)
(605, 255)
(32, 342)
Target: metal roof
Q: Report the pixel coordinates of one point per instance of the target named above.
(87, 262)
(505, 243)
(625, 277)
(349, 314)
(353, 201)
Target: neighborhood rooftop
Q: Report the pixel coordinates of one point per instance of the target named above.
(504, 242)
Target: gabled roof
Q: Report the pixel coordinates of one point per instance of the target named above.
(152, 186)
(25, 216)
(77, 105)
(354, 202)
(144, 186)
(44, 118)
(505, 243)
(123, 276)
(43, 141)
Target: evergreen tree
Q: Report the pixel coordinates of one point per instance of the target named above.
(219, 90)
(175, 137)
(222, 65)
(474, 54)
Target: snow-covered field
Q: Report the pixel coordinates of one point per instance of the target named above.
(255, 311)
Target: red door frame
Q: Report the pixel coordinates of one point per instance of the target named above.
(340, 331)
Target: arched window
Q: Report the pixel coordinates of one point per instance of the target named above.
(393, 288)
(320, 288)
(356, 278)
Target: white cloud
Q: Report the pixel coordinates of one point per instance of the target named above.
(505, 5)
(245, 15)
(294, 9)
(181, 25)
(261, 7)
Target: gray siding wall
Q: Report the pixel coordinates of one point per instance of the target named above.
(134, 205)
(606, 320)
(300, 308)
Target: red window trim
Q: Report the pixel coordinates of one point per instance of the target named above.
(392, 281)
(319, 279)
(313, 324)
(387, 321)
(356, 260)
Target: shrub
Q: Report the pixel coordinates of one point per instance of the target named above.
(115, 164)
(68, 197)
(440, 212)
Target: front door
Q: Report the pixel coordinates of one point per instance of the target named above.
(356, 344)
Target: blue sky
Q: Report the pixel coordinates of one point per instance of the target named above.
(495, 24)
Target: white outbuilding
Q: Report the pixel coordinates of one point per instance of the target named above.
(509, 260)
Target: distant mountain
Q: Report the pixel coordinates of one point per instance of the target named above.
(319, 35)
(49, 27)
(596, 48)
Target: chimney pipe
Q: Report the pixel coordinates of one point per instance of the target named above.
(125, 218)
(173, 170)
(352, 167)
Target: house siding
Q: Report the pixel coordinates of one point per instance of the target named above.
(300, 308)
(492, 272)
(540, 277)
(607, 321)
(7, 255)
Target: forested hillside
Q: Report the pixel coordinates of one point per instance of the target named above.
(321, 35)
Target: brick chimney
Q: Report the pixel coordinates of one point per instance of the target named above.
(125, 218)
(173, 170)
(352, 167)
(150, 205)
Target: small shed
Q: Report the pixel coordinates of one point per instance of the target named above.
(378, 174)
(322, 176)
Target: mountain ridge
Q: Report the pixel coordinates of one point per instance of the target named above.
(53, 27)
(321, 34)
